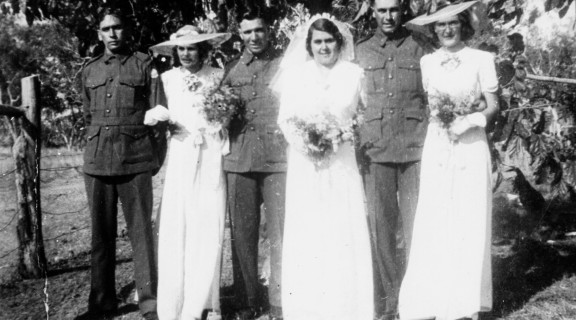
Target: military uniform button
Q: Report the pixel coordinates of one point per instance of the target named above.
(390, 58)
(107, 128)
(390, 94)
(391, 111)
(107, 110)
(254, 93)
(252, 111)
(390, 76)
(109, 95)
(255, 76)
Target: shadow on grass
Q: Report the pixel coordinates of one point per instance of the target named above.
(532, 267)
(70, 266)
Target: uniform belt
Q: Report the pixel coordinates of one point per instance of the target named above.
(117, 121)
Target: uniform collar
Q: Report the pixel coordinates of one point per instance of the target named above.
(122, 57)
(397, 38)
(248, 57)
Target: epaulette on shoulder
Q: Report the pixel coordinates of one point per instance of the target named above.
(142, 56)
(366, 38)
(424, 41)
(91, 60)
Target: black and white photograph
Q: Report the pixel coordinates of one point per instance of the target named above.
(288, 160)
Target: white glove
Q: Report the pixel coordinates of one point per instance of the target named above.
(465, 123)
(158, 113)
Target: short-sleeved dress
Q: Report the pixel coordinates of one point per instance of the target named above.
(193, 205)
(449, 269)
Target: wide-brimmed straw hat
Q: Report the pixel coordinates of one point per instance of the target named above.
(186, 36)
(439, 10)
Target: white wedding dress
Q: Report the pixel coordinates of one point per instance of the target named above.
(193, 204)
(326, 262)
(449, 268)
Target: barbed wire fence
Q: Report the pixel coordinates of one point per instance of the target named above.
(7, 185)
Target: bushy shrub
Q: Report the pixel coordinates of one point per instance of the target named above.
(49, 50)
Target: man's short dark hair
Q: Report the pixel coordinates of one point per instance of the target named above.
(253, 12)
(116, 12)
(405, 9)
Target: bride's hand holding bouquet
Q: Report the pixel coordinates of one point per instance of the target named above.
(319, 136)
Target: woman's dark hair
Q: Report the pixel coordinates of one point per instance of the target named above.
(203, 49)
(324, 25)
(466, 29)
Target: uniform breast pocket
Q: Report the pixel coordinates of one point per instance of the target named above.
(242, 86)
(373, 80)
(410, 76)
(97, 90)
(135, 145)
(132, 88)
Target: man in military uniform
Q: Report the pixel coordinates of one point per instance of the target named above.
(256, 166)
(119, 159)
(391, 141)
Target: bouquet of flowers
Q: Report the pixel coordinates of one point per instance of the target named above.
(321, 135)
(221, 104)
(445, 108)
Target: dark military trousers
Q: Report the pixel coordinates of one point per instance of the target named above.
(135, 195)
(246, 192)
(391, 194)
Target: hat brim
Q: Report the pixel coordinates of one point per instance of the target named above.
(165, 48)
(443, 13)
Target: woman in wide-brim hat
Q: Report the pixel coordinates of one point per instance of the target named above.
(449, 269)
(192, 212)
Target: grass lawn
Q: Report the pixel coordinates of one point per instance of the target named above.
(531, 280)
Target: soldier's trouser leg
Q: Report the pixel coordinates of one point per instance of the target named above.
(385, 184)
(244, 201)
(135, 193)
(274, 195)
(102, 202)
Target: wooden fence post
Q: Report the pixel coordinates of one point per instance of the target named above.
(26, 153)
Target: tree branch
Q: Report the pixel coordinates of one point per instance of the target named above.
(12, 111)
(551, 79)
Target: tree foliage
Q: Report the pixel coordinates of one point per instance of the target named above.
(49, 50)
(534, 132)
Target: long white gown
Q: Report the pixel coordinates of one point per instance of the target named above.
(193, 204)
(449, 269)
(326, 263)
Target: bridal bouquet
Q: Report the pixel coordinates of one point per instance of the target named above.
(321, 135)
(445, 108)
(221, 104)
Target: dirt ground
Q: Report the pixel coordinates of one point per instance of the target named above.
(525, 273)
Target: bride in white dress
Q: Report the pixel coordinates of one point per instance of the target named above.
(449, 268)
(192, 212)
(326, 263)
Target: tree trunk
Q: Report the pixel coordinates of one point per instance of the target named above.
(26, 153)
